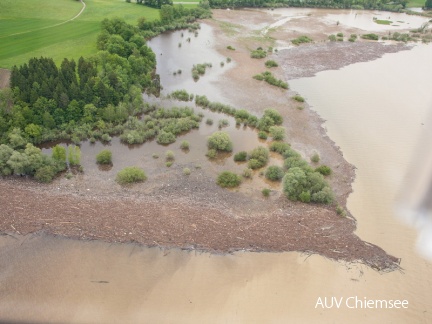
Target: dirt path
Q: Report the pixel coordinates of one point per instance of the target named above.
(4, 78)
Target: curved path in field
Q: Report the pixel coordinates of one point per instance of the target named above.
(62, 23)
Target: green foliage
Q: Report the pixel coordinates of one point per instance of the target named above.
(270, 79)
(277, 132)
(165, 138)
(184, 145)
(168, 164)
(228, 179)
(230, 48)
(370, 36)
(298, 98)
(315, 158)
(169, 155)
(279, 147)
(341, 211)
(104, 157)
(428, 4)
(186, 171)
(199, 69)
(353, 38)
(301, 40)
(247, 173)
(220, 141)
(131, 175)
(258, 157)
(332, 38)
(211, 154)
(74, 155)
(270, 118)
(259, 53)
(5, 154)
(223, 123)
(271, 63)
(182, 95)
(209, 121)
(262, 135)
(296, 161)
(274, 173)
(45, 174)
(299, 184)
(383, 22)
(59, 153)
(324, 170)
(240, 156)
(266, 192)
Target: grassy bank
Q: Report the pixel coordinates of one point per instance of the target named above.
(28, 29)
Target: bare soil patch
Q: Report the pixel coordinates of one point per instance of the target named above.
(4, 78)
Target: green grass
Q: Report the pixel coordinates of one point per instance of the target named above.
(72, 39)
(415, 3)
(383, 22)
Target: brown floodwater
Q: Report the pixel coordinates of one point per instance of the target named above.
(374, 112)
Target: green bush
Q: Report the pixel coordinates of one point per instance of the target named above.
(341, 211)
(305, 197)
(131, 175)
(315, 158)
(271, 79)
(211, 154)
(184, 145)
(298, 98)
(240, 156)
(247, 173)
(370, 36)
(165, 138)
(104, 157)
(279, 147)
(301, 40)
(168, 164)
(271, 63)
(186, 171)
(277, 132)
(155, 156)
(209, 121)
(274, 173)
(296, 161)
(220, 141)
(262, 135)
(169, 155)
(324, 170)
(332, 38)
(266, 192)
(228, 179)
(258, 157)
(45, 174)
(258, 54)
(223, 123)
(231, 48)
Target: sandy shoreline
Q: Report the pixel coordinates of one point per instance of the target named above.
(197, 214)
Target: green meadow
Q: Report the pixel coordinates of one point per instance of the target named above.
(30, 28)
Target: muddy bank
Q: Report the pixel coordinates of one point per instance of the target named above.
(167, 220)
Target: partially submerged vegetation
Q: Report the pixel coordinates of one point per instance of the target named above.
(301, 40)
(270, 79)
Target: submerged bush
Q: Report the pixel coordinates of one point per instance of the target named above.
(169, 155)
(104, 157)
(220, 141)
(165, 138)
(184, 145)
(277, 132)
(240, 156)
(258, 157)
(274, 173)
(271, 63)
(228, 179)
(131, 175)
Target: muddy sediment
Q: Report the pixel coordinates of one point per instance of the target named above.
(193, 212)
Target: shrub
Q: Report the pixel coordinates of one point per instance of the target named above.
(155, 156)
(332, 38)
(220, 141)
(262, 135)
(184, 145)
(340, 35)
(258, 157)
(231, 48)
(370, 36)
(212, 153)
(240, 156)
(223, 123)
(301, 40)
(45, 174)
(165, 138)
(271, 63)
(298, 98)
(104, 157)
(315, 158)
(324, 196)
(186, 171)
(228, 179)
(228, 59)
(274, 173)
(279, 147)
(131, 175)
(106, 138)
(209, 121)
(277, 132)
(270, 79)
(169, 155)
(341, 211)
(266, 192)
(74, 155)
(168, 164)
(324, 170)
(247, 173)
(258, 54)
(305, 197)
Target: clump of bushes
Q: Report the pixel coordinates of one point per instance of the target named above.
(266, 192)
(324, 170)
(341, 211)
(298, 98)
(211, 154)
(220, 141)
(182, 95)
(247, 173)
(262, 135)
(228, 179)
(270, 79)
(270, 118)
(279, 147)
(230, 48)
(104, 157)
(186, 171)
(199, 69)
(240, 156)
(315, 158)
(274, 173)
(131, 175)
(352, 38)
(301, 40)
(259, 53)
(277, 132)
(374, 37)
(209, 121)
(332, 38)
(165, 138)
(258, 157)
(223, 123)
(271, 63)
(169, 156)
(184, 145)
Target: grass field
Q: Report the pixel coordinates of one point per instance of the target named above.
(25, 30)
(416, 3)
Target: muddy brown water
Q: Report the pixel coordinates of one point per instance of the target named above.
(374, 112)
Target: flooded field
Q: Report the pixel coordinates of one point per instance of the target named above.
(374, 112)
